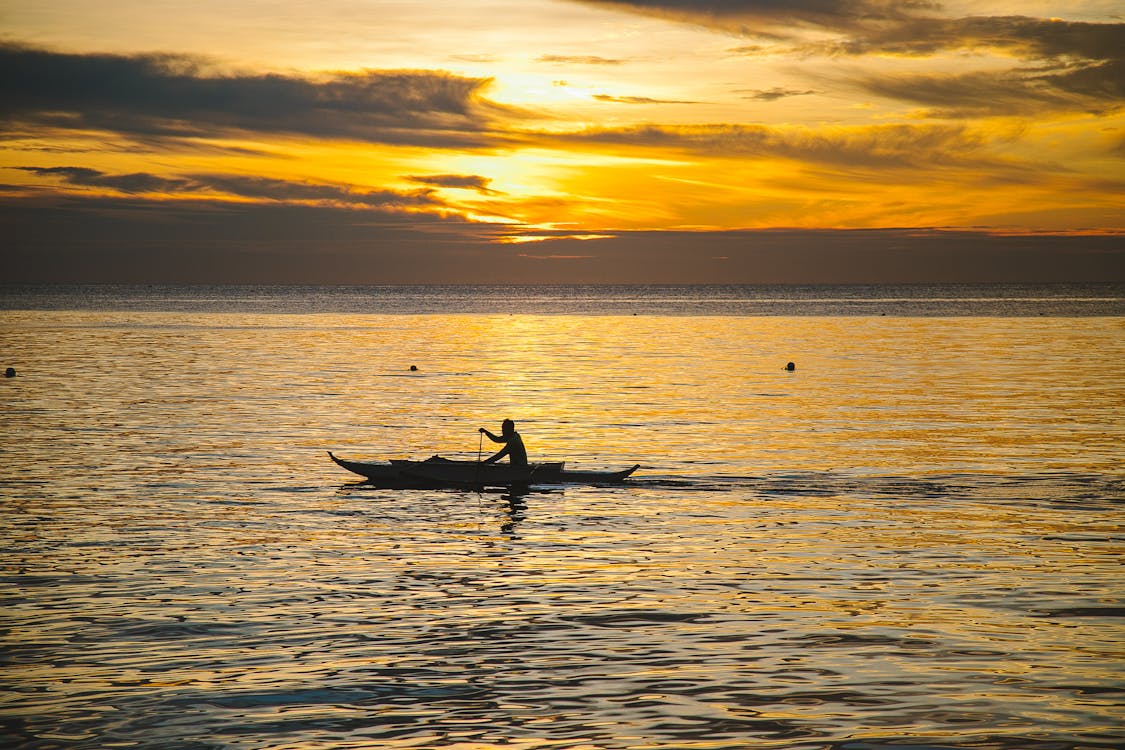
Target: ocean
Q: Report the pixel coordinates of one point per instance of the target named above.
(911, 540)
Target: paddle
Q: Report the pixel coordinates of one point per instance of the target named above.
(480, 446)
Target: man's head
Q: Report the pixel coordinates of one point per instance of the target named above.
(507, 427)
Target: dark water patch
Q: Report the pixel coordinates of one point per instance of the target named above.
(28, 652)
(739, 730)
(1077, 492)
(1089, 689)
(334, 728)
(851, 641)
(292, 489)
(339, 696)
(636, 618)
(1070, 612)
(103, 629)
(986, 742)
(827, 697)
(37, 580)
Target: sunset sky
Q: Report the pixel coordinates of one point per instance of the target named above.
(379, 141)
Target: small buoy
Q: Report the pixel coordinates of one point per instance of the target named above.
(790, 367)
(10, 372)
(414, 368)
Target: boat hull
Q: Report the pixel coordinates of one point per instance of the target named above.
(439, 472)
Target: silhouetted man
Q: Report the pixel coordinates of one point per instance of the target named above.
(513, 444)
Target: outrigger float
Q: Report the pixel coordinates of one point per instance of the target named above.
(437, 473)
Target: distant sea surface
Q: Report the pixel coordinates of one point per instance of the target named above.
(911, 540)
(816, 300)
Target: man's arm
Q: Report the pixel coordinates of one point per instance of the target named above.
(503, 452)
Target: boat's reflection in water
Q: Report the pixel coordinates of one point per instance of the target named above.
(514, 497)
(517, 509)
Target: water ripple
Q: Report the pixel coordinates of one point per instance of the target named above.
(927, 558)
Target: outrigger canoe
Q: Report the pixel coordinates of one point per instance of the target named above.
(443, 472)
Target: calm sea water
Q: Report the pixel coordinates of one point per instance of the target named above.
(913, 540)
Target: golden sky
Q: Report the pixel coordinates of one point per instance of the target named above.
(569, 139)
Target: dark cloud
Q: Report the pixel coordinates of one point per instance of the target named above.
(129, 239)
(763, 17)
(579, 60)
(882, 146)
(1078, 66)
(1032, 38)
(637, 100)
(787, 256)
(151, 241)
(1098, 89)
(136, 182)
(769, 95)
(752, 50)
(464, 181)
(890, 26)
(288, 190)
(1068, 65)
(176, 96)
(256, 188)
(1104, 80)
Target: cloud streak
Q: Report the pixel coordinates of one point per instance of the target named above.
(136, 182)
(637, 100)
(143, 184)
(770, 95)
(179, 96)
(910, 27)
(1022, 36)
(579, 60)
(1098, 89)
(884, 146)
(1067, 65)
(757, 17)
(461, 181)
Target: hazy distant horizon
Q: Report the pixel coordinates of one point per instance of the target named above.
(52, 246)
(1052, 299)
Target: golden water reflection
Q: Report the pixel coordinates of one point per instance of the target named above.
(912, 535)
